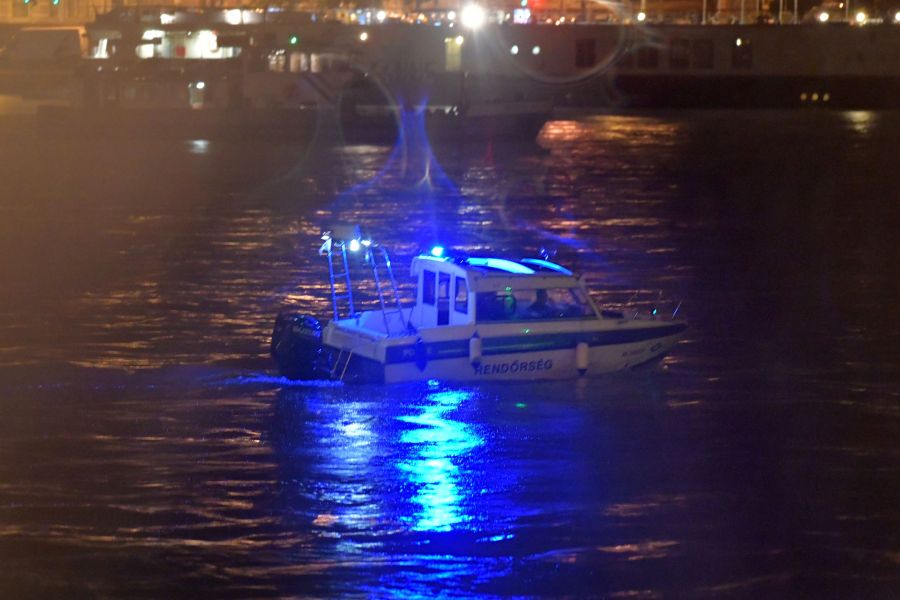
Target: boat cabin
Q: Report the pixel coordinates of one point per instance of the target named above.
(492, 290)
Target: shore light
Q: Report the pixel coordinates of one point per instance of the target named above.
(363, 36)
(641, 17)
(381, 16)
(823, 17)
(860, 18)
(233, 16)
(472, 16)
(897, 17)
(200, 85)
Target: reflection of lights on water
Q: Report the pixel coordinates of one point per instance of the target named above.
(437, 445)
(861, 121)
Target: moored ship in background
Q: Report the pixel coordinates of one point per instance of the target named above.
(240, 71)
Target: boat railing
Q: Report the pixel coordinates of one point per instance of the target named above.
(338, 246)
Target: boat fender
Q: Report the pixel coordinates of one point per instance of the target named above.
(421, 352)
(475, 350)
(582, 357)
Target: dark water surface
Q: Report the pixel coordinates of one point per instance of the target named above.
(146, 450)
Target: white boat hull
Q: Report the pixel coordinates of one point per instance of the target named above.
(413, 359)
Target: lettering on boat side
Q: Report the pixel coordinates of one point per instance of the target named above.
(516, 366)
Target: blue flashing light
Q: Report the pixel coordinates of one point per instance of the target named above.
(354, 245)
(437, 251)
(654, 312)
(501, 264)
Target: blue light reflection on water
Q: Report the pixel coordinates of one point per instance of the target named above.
(438, 446)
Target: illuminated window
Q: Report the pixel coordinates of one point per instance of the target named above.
(452, 54)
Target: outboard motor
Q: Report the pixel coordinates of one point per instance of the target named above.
(297, 347)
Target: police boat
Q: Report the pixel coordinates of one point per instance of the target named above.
(474, 318)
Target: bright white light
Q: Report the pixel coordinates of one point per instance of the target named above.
(152, 34)
(210, 39)
(233, 16)
(823, 17)
(641, 17)
(860, 18)
(451, 16)
(354, 245)
(381, 16)
(536, 50)
(739, 42)
(472, 16)
(514, 50)
(897, 17)
(437, 251)
(200, 85)
(166, 19)
(363, 36)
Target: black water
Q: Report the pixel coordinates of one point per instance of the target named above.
(146, 450)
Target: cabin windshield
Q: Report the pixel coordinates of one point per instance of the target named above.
(532, 305)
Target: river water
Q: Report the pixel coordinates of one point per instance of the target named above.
(148, 450)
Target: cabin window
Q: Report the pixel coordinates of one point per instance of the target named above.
(742, 54)
(702, 54)
(532, 305)
(428, 288)
(585, 53)
(648, 57)
(461, 301)
(443, 300)
(680, 54)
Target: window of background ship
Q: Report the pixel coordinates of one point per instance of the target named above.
(647, 57)
(585, 53)
(702, 54)
(680, 54)
(742, 54)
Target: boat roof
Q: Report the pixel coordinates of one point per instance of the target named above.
(493, 273)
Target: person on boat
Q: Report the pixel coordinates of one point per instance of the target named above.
(541, 308)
